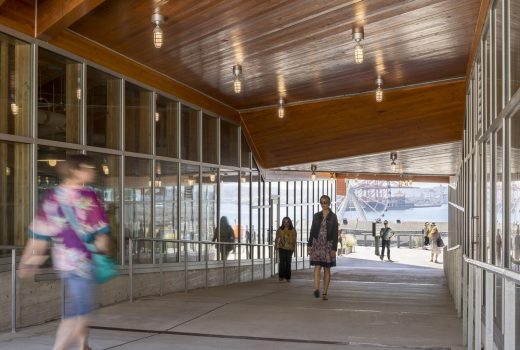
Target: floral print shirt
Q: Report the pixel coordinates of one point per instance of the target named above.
(69, 252)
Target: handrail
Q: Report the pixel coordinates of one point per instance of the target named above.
(453, 248)
(513, 276)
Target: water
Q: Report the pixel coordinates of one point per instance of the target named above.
(430, 214)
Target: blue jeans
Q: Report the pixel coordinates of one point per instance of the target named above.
(386, 243)
(79, 296)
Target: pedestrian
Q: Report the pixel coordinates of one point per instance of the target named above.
(285, 242)
(70, 217)
(224, 233)
(434, 238)
(425, 232)
(386, 235)
(322, 245)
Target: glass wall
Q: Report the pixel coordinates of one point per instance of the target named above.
(166, 127)
(189, 133)
(228, 144)
(138, 103)
(15, 86)
(209, 139)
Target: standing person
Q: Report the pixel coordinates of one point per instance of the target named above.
(425, 232)
(341, 248)
(322, 245)
(386, 234)
(64, 211)
(434, 236)
(285, 242)
(224, 233)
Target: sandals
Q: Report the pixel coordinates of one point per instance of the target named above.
(324, 296)
(317, 293)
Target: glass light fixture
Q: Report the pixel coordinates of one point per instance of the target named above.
(393, 165)
(281, 109)
(212, 177)
(157, 19)
(7, 171)
(106, 169)
(237, 73)
(379, 90)
(78, 90)
(14, 109)
(358, 36)
(191, 182)
(157, 116)
(313, 169)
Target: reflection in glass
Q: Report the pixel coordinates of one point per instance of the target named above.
(498, 200)
(228, 144)
(189, 224)
(47, 160)
(137, 119)
(189, 133)
(59, 97)
(103, 109)
(245, 200)
(209, 208)
(15, 111)
(107, 187)
(166, 127)
(514, 39)
(137, 207)
(229, 181)
(488, 238)
(245, 157)
(514, 205)
(166, 204)
(256, 213)
(15, 193)
(209, 139)
(497, 11)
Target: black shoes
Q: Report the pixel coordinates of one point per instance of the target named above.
(317, 293)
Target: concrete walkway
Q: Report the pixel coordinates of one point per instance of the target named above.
(372, 305)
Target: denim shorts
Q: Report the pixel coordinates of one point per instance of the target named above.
(79, 296)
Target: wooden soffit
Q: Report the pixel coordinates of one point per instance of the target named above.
(357, 125)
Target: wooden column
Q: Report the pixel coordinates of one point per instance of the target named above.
(73, 104)
(113, 113)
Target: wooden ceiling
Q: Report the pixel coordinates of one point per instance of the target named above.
(301, 50)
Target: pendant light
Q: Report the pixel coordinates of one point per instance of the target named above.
(237, 73)
(157, 19)
(379, 89)
(281, 109)
(358, 36)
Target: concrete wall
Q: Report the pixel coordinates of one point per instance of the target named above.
(39, 298)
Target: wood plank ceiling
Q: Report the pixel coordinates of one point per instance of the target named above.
(301, 50)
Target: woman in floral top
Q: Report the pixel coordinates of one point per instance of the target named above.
(285, 242)
(63, 212)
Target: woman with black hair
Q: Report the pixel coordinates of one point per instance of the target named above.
(285, 242)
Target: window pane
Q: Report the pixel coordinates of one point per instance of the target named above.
(59, 97)
(228, 144)
(245, 157)
(498, 50)
(166, 204)
(209, 198)
(190, 206)
(514, 207)
(209, 139)
(487, 211)
(166, 127)
(514, 33)
(229, 202)
(189, 133)
(15, 59)
(14, 193)
(498, 200)
(103, 109)
(137, 206)
(47, 176)
(137, 119)
(107, 187)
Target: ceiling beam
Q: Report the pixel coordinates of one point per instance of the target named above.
(54, 16)
(357, 125)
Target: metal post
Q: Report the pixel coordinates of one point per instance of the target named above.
(488, 330)
(296, 257)
(207, 255)
(239, 246)
(365, 239)
(252, 262)
(160, 268)
(510, 329)
(13, 290)
(410, 241)
(398, 241)
(263, 253)
(185, 245)
(130, 271)
(478, 307)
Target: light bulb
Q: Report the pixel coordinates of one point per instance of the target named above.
(394, 167)
(78, 93)
(358, 53)
(157, 37)
(242, 179)
(313, 176)
(379, 94)
(14, 109)
(157, 116)
(52, 162)
(281, 112)
(238, 86)
(7, 171)
(106, 169)
(191, 182)
(212, 178)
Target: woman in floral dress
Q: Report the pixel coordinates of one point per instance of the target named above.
(322, 245)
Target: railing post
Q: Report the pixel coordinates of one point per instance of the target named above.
(510, 328)
(130, 271)
(160, 267)
(263, 254)
(185, 245)
(478, 307)
(465, 302)
(223, 263)
(471, 306)
(13, 290)
(207, 257)
(489, 297)
(239, 247)
(398, 241)
(365, 239)
(252, 262)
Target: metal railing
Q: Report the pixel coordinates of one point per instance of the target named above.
(480, 277)
(370, 242)
(13, 250)
(266, 252)
(452, 264)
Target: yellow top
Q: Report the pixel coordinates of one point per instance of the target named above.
(285, 239)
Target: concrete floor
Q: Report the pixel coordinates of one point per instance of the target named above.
(372, 305)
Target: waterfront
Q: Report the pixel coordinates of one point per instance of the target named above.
(423, 214)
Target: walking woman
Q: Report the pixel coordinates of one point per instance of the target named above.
(285, 242)
(64, 212)
(434, 236)
(322, 245)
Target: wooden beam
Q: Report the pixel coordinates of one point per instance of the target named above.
(110, 59)
(475, 43)
(54, 16)
(18, 15)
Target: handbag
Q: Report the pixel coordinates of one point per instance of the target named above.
(103, 266)
(426, 240)
(440, 242)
